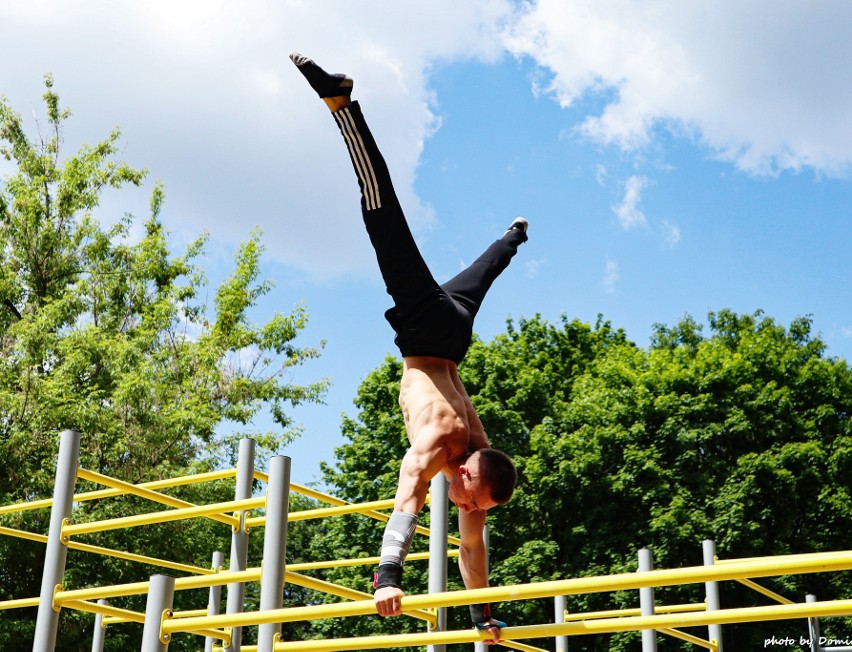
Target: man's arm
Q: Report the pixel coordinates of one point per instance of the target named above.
(419, 465)
(473, 563)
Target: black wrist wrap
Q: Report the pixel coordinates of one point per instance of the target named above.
(389, 575)
(480, 613)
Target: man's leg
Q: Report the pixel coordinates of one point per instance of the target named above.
(406, 275)
(469, 288)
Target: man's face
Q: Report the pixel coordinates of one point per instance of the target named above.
(468, 493)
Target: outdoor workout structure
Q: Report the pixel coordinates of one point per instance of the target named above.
(222, 631)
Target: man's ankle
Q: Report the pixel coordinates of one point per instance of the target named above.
(336, 103)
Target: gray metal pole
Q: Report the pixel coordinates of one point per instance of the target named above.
(161, 594)
(215, 601)
(711, 590)
(274, 549)
(47, 620)
(100, 631)
(438, 516)
(560, 606)
(479, 646)
(813, 626)
(239, 539)
(646, 602)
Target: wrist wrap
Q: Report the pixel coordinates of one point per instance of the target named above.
(395, 545)
(480, 613)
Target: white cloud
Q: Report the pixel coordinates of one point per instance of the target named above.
(671, 234)
(629, 215)
(611, 276)
(761, 83)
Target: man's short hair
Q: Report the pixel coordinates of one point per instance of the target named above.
(499, 473)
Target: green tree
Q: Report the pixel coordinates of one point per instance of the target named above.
(109, 333)
(741, 436)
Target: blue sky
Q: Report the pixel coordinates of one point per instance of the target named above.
(671, 158)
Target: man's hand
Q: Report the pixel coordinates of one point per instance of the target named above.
(492, 627)
(388, 601)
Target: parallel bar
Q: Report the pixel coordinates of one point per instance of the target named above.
(331, 500)
(618, 613)
(163, 517)
(19, 604)
(767, 592)
(109, 493)
(149, 494)
(361, 561)
(628, 581)
(325, 512)
(659, 621)
(689, 638)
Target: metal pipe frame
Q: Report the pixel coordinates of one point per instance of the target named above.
(599, 584)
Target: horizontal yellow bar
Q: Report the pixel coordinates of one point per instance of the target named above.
(22, 534)
(105, 610)
(767, 592)
(522, 647)
(19, 603)
(143, 559)
(608, 625)
(149, 494)
(617, 613)
(331, 500)
(689, 638)
(324, 512)
(163, 517)
(359, 561)
(625, 581)
(430, 617)
(108, 493)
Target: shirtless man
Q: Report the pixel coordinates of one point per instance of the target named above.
(434, 326)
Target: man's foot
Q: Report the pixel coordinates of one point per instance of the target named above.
(325, 84)
(519, 224)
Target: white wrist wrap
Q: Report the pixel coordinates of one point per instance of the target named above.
(397, 540)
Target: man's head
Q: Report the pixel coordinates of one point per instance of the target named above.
(485, 480)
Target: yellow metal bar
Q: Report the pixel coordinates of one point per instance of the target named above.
(617, 613)
(608, 625)
(689, 638)
(150, 494)
(626, 581)
(324, 512)
(106, 610)
(521, 646)
(143, 559)
(19, 603)
(430, 616)
(164, 516)
(331, 500)
(107, 493)
(140, 588)
(22, 534)
(767, 592)
(359, 561)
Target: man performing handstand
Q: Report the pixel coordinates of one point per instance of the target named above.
(434, 326)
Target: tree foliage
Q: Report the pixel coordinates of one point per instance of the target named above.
(741, 436)
(104, 330)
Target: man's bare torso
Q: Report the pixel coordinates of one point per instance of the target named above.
(436, 406)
